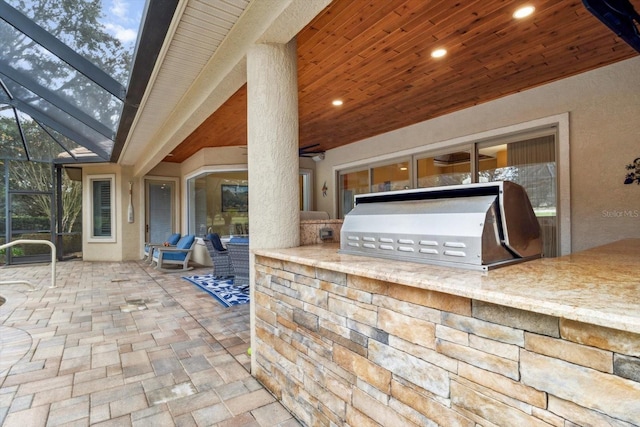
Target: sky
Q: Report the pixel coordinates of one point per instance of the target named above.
(122, 18)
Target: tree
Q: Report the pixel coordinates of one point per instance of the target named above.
(77, 24)
(34, 175)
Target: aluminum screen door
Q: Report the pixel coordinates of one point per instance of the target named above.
(160, 197)
(24, 225)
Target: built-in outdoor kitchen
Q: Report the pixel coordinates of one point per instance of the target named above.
(386, 326)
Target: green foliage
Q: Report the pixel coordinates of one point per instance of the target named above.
(31, 223)
(78, 25)
(72, 243)
(15, 251)
(33, 249)
(32, 212)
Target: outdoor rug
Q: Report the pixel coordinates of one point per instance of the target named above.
(222, 289)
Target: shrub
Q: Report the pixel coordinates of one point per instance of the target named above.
(35, 249)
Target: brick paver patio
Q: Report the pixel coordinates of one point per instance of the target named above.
(120, 344)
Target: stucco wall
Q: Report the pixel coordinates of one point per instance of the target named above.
(603, 107)
(127, 235)
(165, 169)
(214, 157)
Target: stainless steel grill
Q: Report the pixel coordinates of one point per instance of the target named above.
(477, 226)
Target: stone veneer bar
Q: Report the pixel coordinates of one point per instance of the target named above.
(348, 340)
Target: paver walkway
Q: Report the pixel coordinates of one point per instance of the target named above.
(120, 344)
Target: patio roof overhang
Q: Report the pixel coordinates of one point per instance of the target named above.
(190, 63)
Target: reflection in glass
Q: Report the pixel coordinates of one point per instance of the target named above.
(390, 177)
(352, 184)
(206, 211)
(531, 164)
(444, 169)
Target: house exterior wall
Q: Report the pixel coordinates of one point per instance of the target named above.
(127, 242)
(603, 107)
(166, 169)
(218, 156)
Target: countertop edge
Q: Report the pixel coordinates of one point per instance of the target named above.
(575, 299)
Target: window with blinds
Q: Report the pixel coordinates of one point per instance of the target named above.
(102, 207)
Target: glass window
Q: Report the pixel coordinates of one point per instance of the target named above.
(351, 184)
(102, 207)
(444, 169)
(305, 185)
(218, 203)
(390, 177)
(528, 160)
(532, 164)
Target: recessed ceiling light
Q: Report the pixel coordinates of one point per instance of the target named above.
(438, 53)
(337, 102)
(523, 12)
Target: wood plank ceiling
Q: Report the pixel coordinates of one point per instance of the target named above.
(375, 56)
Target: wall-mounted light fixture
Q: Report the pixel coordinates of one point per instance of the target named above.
(318, 157)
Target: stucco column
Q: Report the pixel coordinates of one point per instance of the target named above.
(272, 149)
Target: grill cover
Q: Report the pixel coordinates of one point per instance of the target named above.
(478, 226)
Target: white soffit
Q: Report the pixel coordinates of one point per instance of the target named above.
(202, 26)
(203, 64)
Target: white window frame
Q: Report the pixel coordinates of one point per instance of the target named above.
(307, 175)
(307, 190)
(88, 183)
(189, 214)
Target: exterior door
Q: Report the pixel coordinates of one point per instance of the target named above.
(29, 219)
(160, 199)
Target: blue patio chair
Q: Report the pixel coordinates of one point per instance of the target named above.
(149, 247)
(175, 255)
(219, 256)
(238, 248)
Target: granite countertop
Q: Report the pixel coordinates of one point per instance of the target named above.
(600, 286)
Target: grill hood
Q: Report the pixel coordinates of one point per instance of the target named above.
(477, 226)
